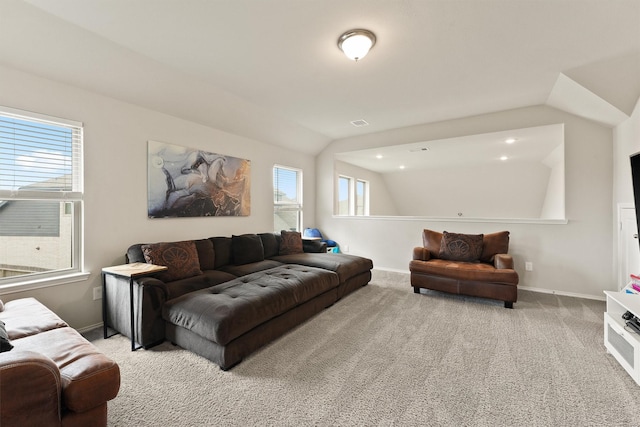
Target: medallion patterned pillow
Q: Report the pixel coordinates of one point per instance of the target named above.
(461, 247)
(180, 257)
(291, 242)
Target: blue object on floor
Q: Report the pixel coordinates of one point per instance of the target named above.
(315, 233)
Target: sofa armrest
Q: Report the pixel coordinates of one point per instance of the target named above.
(503, 261)
(30, 389)
(421, 254)
(314, 246)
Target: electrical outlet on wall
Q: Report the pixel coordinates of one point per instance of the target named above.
(528, 266)
(97, 293)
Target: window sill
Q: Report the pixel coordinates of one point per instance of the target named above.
(39, 283)
(456, 219)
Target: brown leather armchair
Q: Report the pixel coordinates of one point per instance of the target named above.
(53, 376)
(490, 276)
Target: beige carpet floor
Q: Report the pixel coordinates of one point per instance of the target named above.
(384, 356)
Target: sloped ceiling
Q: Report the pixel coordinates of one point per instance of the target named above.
(271, 70)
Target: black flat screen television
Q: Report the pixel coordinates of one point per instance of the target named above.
(635, 178)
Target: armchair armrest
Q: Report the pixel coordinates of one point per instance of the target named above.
(421, 254)
(30, 389)
(503, 261)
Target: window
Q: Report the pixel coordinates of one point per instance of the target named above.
(344, 195)
(40, 196)
(362, 197)
(353, 196)
(287, 199)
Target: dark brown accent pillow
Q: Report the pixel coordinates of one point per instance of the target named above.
(206, 255)
(493, 244)
(461, 247)
(181, 258)
(222, 249)
(291, 242)
(246, 248)
(270, 244)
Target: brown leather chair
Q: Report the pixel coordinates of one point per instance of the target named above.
(490, 276)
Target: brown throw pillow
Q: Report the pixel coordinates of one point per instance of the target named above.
(181, 258)
(291, 242)
(461, 247)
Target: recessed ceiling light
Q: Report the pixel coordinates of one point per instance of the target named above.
(510, 140)
(359, 123)
(379, 156)
(401, 166)
(503, 158)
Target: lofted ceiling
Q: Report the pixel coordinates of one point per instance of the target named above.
(271, 69)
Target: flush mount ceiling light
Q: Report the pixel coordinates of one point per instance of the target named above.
(356, 43)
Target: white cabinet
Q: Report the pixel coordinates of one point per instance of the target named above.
(621, 341)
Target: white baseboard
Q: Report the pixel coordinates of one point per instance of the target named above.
(89, 328)
(563, 293)
(524, 288)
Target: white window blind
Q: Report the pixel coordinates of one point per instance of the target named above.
(39, 155)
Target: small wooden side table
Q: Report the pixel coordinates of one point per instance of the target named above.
(131, 272)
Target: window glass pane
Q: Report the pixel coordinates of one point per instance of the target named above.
(344, 183)
(36, 236)
(360, 197)
(287, 199)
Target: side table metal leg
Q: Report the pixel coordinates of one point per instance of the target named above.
(104, 306)
(133, 331)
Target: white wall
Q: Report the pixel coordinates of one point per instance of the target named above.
(573, 258)
(503, 190)
(115, 207)
(553, 206)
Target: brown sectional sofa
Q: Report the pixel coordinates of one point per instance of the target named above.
(52, 376)
(249, 290)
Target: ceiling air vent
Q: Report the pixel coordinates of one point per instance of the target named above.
(359, 123)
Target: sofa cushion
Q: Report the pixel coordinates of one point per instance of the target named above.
(181, 258)
(28, 316)
(473, 271)
(252, 267)
(205, 280)
(493, 244)
(246, 248)
(206, 254)
(461, 247)
(5, 344)
(222, 249)
(346, 266)
(431, 240)
(291, 243)
(224, 312)
(270, 244)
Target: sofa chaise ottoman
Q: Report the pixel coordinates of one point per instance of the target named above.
(225, 323)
